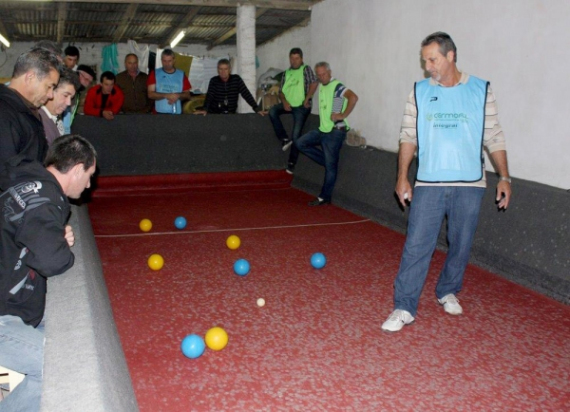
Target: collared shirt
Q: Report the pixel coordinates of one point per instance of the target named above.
(493, 138)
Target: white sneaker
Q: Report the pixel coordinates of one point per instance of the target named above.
(397, 320)
(451, 304)
(286, 144)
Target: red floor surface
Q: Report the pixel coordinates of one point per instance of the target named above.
(317, 344)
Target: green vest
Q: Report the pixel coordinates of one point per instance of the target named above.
(326, 100)
(294, 86)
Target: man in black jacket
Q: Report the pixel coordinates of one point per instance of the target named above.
(35, 243)
(35, 75)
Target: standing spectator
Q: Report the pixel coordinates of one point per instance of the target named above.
(133, 84)
(224, 90)
(298, 85)
(86, 77)
(336, 102)
(62, 98)
(448, 119)
(168, 86)
(34, 78)
(104, 100)
(35, 244)
(71, 59)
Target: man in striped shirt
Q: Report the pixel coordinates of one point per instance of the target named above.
(448, 119)
(224, 90)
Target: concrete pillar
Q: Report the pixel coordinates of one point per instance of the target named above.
(245, 32)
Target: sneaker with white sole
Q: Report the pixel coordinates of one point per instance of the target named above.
(451, 304)
(397, 320)
(286, 144)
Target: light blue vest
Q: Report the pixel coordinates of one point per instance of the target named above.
(450, 127)
(168, 83)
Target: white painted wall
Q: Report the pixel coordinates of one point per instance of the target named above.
(521, 47)
(275, 54)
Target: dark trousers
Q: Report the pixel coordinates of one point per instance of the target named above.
(300, 115)
(326, 156)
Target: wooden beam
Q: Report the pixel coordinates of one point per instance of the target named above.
(184, 24)
(61, 17)
(125, 22)
(232, 31)
(270, 4)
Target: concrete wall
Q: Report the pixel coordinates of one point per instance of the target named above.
(275, 54)
(521, 47)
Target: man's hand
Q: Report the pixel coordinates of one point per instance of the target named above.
(172, 98)
(335, 117)
(202, 112)
(503, 194)
(307, 102)
(262, 112)
(107, 114)
(404, 191)
(286, 106)
(69, 236)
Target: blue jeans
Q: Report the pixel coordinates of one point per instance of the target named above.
(331, 143)
(300, 115)
(22, 350)
(429, 207)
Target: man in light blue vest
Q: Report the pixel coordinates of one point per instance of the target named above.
(298, 85)
(336, 102)
(448, 119)
(168, 86)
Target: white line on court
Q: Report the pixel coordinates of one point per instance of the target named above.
(189, 232)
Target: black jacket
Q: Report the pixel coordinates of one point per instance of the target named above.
(32, 243)
(20, 131)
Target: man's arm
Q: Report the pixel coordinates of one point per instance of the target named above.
(284, 101)
(403, 186)
(503, 187)
(309, 77)
(89, 108)
(9, 138)
(352, 99)
(47, 241)
(118, 100)
(246, 94)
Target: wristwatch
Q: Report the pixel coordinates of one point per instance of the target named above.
(505, 179)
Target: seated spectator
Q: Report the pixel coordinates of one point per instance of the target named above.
(62, 98)
(35, 244)
(224, 90)
(104, 100)
(133, 84)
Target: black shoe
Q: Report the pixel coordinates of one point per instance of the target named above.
(286, 144)
(290, 168)
(319, 202)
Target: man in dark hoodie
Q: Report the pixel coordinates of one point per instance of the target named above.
(35, 244)
(35, 75)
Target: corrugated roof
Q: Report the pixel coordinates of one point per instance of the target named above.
(144, 21)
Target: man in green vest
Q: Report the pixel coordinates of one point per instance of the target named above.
(336, 102)
(298, 85)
